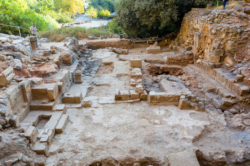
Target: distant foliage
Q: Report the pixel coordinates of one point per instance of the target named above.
(61, 10)
(103, 5)
(104, 13)
(114, 28)
(72, 6)
(92, 12)
(145, 18)
(18, 13)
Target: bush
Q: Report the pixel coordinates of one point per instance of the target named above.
(92, 12)
(114, 28)
(104, 13)
(78, 32)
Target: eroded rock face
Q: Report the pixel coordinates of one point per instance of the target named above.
(219, 33)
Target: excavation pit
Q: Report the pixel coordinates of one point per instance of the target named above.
(155, 70)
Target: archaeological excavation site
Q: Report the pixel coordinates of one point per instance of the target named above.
(118, 101)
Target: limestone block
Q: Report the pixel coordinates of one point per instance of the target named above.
(214, 59)
(247, 10)
(60, 86)
(239, 78)
(132, 82)
(14, 121)
(44, 139)
(219, 52)
(184, 104)
(6, 76)
(72, 99)
(154, 49)
(46, 53)
(52, 93)
(66, 59)
(31, 133)
(117, 95)
(41, 148)
(243, 90)
(229, 60)
(136, 63)
(2, 58)
(209, 6)
(125, 95)
(50, 133)
(62, 123)
(136, 73)
(227, 102)
(78, 77)
(78, 97)
(139, 88)
(53, 47)
(16, 64)
(53, 51)
(60, 107)
(134, 95)
(87, 103)
(144, 96)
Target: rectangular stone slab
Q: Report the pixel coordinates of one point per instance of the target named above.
(62, 123)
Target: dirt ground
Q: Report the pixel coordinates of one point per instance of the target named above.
(112, 133)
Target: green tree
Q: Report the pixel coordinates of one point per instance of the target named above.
(72, 6)
(17, 13)
(103, 5)
(92, 12)
(153, 17)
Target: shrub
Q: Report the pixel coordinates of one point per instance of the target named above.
(104, 13)
(78, 32)
(114, 28)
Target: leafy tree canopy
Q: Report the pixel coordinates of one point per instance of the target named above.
(17, 13)
(104, 13)
(145, 18)
(103, 5)
(92, 12)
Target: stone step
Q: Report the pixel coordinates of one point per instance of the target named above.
(62, 123)
(45, 91)
(60, 107)
(38, 105)
(41, 148)
(31, 134)
(72, 98)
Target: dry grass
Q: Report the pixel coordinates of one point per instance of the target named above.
(80, 33)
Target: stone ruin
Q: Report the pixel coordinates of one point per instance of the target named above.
(126, 102)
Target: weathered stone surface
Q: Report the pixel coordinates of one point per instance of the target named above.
(137, 63)
(214, 58)
(16, 64)
(6, 76)
(219, 52)
(247, 10)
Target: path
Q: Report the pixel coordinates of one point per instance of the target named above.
(95, 23)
